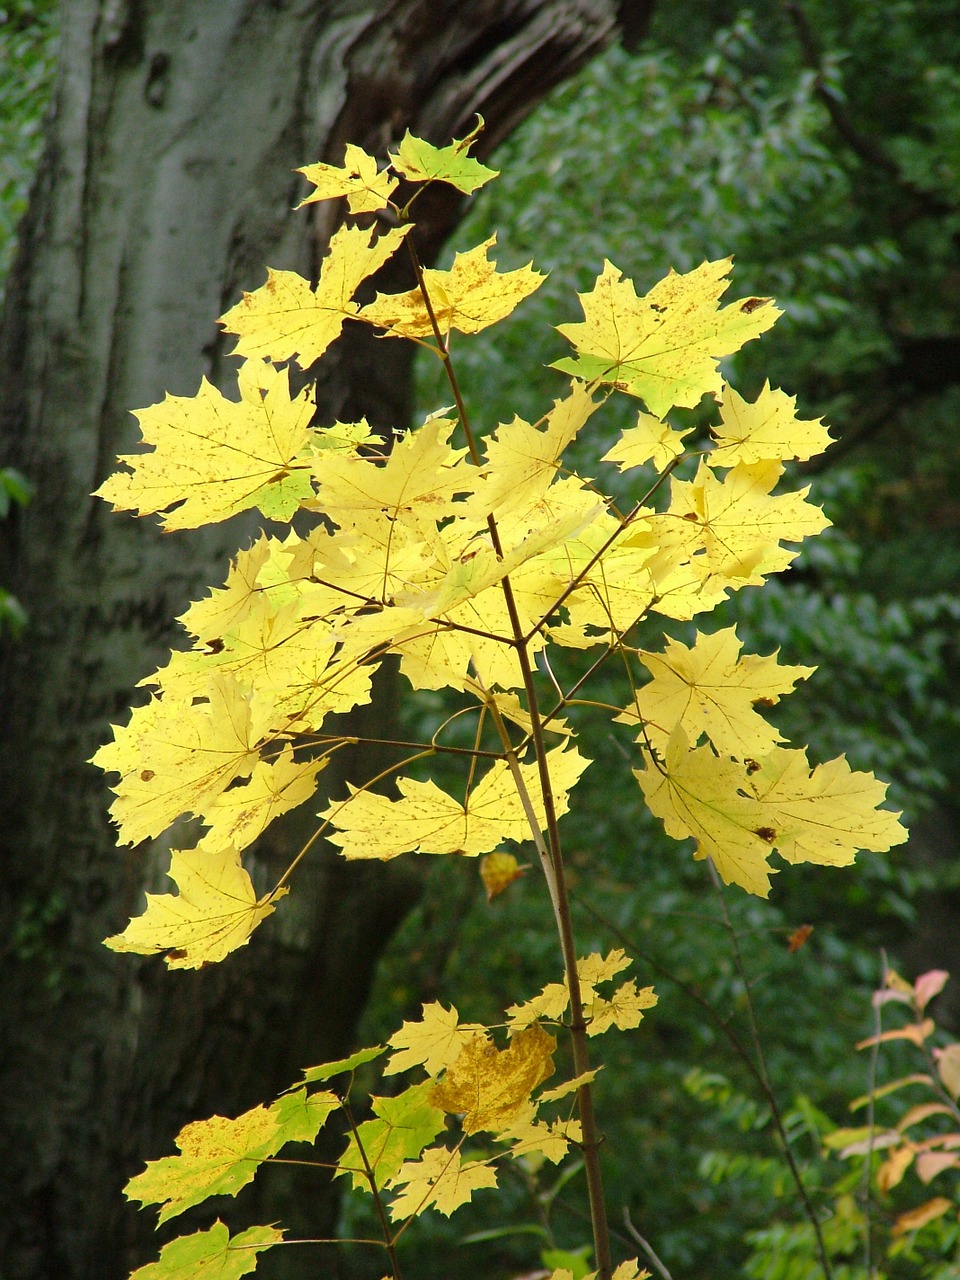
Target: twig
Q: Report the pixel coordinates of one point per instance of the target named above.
(645, 1245)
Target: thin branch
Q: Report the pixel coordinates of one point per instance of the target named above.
(765, 1081)
(645, 1245)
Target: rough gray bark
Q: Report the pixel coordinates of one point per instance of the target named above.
(166, 187)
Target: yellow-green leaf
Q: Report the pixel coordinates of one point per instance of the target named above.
(423, 162)
(404, 1125)
(219, 1156)
(210, 1255)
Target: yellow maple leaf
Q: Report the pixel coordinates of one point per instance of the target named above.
(710, 689)
(469, 297)
(732, 527)
(649, 441)
(768, 428)
(366, 189)
(285, 319)
(595, 968)
(435, 1041)
(175, 758)
(214, 913)
(522, 460)
(240, 814)
(427, 820)
(823, 816)
(532, 1137)
(439, 1179)
(551, 1003)
(219, 1156)
(415, 484)
(491, 1087)
(624, 1009)
(663, 347)
(210, 457)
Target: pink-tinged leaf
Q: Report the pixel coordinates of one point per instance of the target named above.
(921, 1112)
(880, 998)
(916, 1032)
(930, 1163)
(929, 985)
(948, 1068)
(920, 1216)
(878, 1143)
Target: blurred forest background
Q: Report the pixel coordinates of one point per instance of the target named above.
(819, 143)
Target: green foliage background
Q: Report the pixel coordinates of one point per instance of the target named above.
(837, 187)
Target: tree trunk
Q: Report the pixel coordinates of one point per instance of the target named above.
(166, 187)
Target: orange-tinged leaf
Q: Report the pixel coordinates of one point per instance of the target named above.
(214, 913)
(948, 1068)
(440, 1180)
(890, 1174)
(923, 1111)
(491, 1087)
(469, 297)
(285, 319)
(367, 190)
(434, 1042)
(799, 937)
(663, 347)
(916, 1033)
(930, 1163)
(219, 1156)
(929, 985)
(914, 1219)
(498, 872)
(210, 1255)
(768, 428)
(210, 457)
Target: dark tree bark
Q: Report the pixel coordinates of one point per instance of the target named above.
(165, 189)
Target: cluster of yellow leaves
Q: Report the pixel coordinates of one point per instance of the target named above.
(483, 1088)
(624, 1009)
(455, 563)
